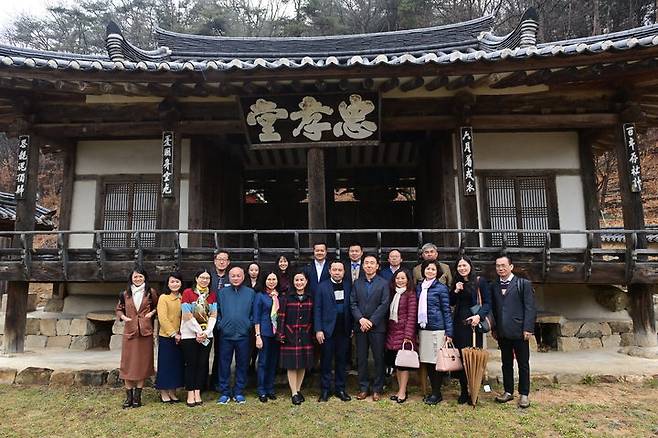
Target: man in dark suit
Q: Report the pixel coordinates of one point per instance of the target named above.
(353, 265)
(318, 270)
(369, 302)
(514, 311)
(332, 320)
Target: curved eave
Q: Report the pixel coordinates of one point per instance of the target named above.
(546, 52)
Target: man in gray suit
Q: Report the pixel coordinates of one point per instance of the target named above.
(369, 301)
(514, 311)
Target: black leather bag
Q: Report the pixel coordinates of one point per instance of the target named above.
(486, 323)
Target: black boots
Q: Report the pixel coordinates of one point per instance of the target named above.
(137, 398)
(129, 399)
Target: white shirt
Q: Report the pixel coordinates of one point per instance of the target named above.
(319, 266)
(138, 297)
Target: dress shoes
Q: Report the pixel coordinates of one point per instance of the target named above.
(362, 395)
(464, 398)
(524, 402)
(401, 400)
(324, 396)
(262, 398)
(433, 400)
(271, 396)
(376, 396)
(504, 398)
(343, 396)
(394, 397)
(296, 399)
(301, 396)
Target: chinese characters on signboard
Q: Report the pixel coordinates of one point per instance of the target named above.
(21, 169)
(167, 164)
(331, 118)
(633, 155)
(466, 135)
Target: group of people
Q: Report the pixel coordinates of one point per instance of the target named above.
(287, 318)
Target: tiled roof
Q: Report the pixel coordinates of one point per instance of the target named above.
(411, 47)
(612, 235)
(43, 217)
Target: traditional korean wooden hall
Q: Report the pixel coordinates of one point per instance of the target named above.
(450, 134)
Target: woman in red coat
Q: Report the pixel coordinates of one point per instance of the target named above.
(401, 330)
(295, 328)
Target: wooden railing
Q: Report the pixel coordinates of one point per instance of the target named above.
(80, 256)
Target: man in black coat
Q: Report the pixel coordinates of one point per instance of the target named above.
(369, 302)
(514, 311)
(332, 322)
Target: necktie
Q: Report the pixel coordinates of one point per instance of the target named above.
(355, 271)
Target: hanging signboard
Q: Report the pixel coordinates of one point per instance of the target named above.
(633, 156)
(21, 167)
(167, 164)
(466, 136)
(276, 122)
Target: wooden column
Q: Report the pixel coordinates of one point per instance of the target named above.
(330, 156)
(641, 295)
(588, 177)
(317, 194)
(16, 316)
(68, 154)
(195, 215)
(170, 205)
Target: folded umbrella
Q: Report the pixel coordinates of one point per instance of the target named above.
(475, 365)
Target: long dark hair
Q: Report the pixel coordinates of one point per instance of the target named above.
(138, 270)
(410, 283)
(177, 276)
(470, 280)
(262, 287)
(276, 265)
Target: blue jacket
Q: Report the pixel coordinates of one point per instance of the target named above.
(439, 315)
(235, 312)
(262, 310)
(324, 308)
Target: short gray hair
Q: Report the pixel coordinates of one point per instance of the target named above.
(429, 246)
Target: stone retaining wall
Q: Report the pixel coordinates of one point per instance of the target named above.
(587, 335)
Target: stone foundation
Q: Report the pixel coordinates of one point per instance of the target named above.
(574, 335)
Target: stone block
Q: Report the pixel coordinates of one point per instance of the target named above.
(58, 342)
(621, 326)
(7, 376)
(54, 305)
(115, 342)
(90, 377)
(627, 339)
(48, 327)
(594, 330)
(567, 344)
(34, 376)
(590, 343)
(36, 341)
(62, 378)
(63, 327)
(117, 327)
(32, 326)
(570, 328)
(81, 343)
(612, 298)
(113, 379)
(611, 341)
(568, 378)
(81, 327)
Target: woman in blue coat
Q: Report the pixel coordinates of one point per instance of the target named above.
(469, 290)
(434, 323)
(266, 308)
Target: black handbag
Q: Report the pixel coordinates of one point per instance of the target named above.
(486, 323)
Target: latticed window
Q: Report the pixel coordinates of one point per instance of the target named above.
(130, 205)
(523, 203)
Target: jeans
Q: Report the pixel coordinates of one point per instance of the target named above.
(227, 348)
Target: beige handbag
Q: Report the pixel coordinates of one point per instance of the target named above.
(407, 358)
(448, 358)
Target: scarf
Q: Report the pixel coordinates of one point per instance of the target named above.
(201, 308)
(422, 302)
(395, 303)
(274, 313)
(138, 295)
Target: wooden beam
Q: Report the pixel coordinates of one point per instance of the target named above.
(412, 84)
(513, 80)
(368, 84)
(68, 157)
(137, 129)
(389, 84)
(460, 82)
(437, 82)
(588, 176)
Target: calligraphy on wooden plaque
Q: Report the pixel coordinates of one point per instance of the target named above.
(633, 156)
(21, 165)
(168, 164)
(466, 138)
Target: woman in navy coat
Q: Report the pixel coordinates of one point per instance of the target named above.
(464, 296)
(265, 310)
